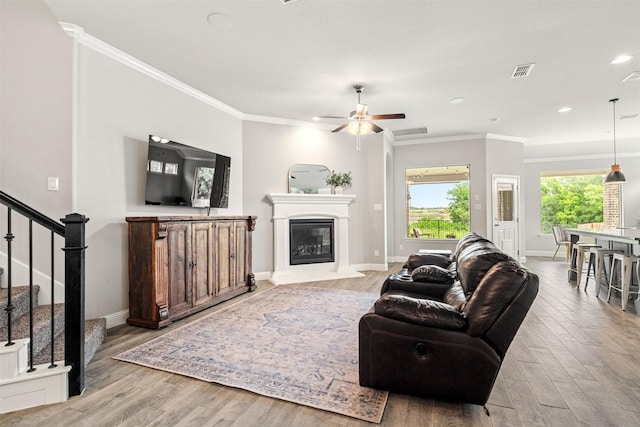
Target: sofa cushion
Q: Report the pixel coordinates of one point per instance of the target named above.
(419, 311)
(432, 273)
(455, 297)
(416, 260)
(494, 292)
(474, 261)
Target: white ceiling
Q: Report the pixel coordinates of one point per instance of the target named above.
(298, 60)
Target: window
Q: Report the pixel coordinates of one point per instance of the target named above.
(578, 199)
(437, 202)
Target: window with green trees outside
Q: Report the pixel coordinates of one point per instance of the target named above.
(437, 202)
(576, 199)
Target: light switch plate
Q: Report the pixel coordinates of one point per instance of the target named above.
(53, 183)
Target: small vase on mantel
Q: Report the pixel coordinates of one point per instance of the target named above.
(338, 189)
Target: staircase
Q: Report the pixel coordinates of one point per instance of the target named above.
(19, 387)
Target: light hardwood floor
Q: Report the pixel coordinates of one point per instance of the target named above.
(575, 361)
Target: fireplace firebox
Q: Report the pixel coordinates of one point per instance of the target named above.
(311, 241)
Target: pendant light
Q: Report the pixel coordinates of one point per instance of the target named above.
(616, 174)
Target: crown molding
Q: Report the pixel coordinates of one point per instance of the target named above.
(283, 121)
(583, 157)
(483, 136)
(79, 35)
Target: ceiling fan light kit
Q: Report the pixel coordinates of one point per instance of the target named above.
(359, 122)
(615, 175)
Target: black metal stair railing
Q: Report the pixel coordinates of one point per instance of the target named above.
(72, 229)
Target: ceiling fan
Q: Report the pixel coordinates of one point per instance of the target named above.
(359, 122)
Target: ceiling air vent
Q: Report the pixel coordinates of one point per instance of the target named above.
(629, 116)
(410, 132)
(633, 77)
(522, 70)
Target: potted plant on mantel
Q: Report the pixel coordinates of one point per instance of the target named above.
(338, 181)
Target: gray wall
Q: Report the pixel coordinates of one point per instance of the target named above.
(118, 107)
(558, 158)
(35, 125)
(423, 153)
(269, 151)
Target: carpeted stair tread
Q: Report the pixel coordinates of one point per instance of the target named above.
(94, 333)
(41, 326)
(19, 300)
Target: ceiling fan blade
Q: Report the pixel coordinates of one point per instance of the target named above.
(388, 116)
(332, 116)
(339, 128)
(375, 128)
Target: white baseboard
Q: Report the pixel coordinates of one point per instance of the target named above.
(370, 267)
(116, 319)
(544, 254)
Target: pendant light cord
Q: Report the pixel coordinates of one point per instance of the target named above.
(615, 161)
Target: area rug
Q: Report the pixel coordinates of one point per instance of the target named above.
(293, 343)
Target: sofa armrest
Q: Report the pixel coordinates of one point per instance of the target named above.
(420, 311)
(403, 282)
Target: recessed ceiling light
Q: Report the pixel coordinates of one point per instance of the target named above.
(621, 59)
(564, 109)
(458, 100)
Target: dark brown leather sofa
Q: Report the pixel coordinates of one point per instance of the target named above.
(441, 330)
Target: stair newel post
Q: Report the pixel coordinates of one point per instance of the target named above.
(74, 299)
(9, 238)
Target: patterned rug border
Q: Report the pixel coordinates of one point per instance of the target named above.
(228, 383)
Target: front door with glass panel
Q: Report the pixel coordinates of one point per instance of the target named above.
(505, 213)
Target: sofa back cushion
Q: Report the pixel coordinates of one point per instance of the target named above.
(465, 241)
(417, 260)
(474, 261)
(494, 292)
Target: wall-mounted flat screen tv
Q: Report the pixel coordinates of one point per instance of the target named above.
(181, 175)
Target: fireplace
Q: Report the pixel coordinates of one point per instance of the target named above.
(310, 241)
(328, 208)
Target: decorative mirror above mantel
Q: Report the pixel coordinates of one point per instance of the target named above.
(308, 179)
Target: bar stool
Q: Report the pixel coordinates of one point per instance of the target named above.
(577, 258)
(597, 267)
(625, 264)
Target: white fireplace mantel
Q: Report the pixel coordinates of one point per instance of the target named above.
(288, 206)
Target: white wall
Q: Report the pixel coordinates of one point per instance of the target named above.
(269, 151)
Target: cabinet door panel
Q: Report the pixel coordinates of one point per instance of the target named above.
(224, 257)
(201, 274)
(179, 255)
(241, 235)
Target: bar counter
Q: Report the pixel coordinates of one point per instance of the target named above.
(626, 239)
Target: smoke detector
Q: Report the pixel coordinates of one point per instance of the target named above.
(522, 71)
